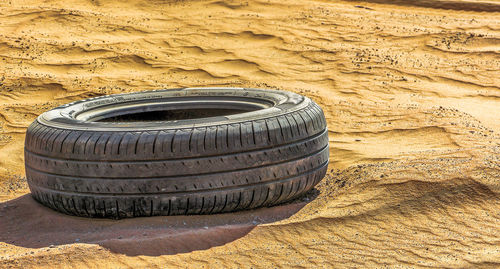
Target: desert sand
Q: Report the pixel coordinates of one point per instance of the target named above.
(410, 90)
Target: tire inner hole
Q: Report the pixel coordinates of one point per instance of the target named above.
(170, 115)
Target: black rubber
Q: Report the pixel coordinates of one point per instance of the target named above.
(87, 159)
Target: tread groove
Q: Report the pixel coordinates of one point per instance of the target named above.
(251, 200)
(154, 142)
(120, 143)
(267, 195)
(290, 124)
(151, 211)
(106, 144)
(204, 139)
(239, 201)
(133, 208)
(95, 144)
(74, 205)
(202, 203)
(54, 141)
(305, 122)
(117, 209)
(74, 143)
(215, 203)
(281, 129)
(136, 145)
(104, 213)
(268, 132)
(85, 145)
(253, 134)
(241, 136)
(172, 142)
(298, 126)
(95, 210)
(216, 132)
(190, 139)
(225, 204)
(84, 205)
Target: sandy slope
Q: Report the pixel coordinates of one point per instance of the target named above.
(410, 89)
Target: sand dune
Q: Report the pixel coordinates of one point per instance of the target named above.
(410, 90)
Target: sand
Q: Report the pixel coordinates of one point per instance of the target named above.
(410, 90)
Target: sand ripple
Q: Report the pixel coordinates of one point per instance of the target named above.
(410, 89)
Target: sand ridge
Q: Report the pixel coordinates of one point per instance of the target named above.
(410, 90)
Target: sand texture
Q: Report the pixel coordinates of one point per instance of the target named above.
(410, 90)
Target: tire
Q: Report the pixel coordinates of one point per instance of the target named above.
(83, 159)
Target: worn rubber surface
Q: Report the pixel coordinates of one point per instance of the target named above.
(84, 167)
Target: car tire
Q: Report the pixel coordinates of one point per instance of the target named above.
(251, 148)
